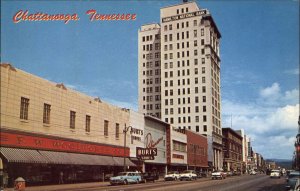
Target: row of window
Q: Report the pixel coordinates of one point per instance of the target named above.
(150, 64)
(150, 37)
(184, 35)
(148, 47)
(183, 54)
(24, 109)
(178, 146)
(150, 98)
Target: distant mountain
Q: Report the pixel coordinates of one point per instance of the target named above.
(283, 163)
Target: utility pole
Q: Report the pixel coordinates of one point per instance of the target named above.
(125, 135)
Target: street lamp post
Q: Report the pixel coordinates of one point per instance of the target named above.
(125, 134)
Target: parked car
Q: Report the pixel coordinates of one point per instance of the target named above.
(188, 175)
(126, 178)
(150, 176)
(218, 175)
(172, 175)
(253, 172)
(292, 179)
(275, 174)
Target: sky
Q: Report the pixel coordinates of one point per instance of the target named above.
(259, 58)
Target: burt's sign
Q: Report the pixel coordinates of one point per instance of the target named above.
(146, 153)
(59, 144)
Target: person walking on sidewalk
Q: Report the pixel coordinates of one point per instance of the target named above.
(61, 177)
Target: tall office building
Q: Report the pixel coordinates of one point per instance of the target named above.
(179, 73)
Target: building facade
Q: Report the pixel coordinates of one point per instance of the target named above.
(47, 128)
(233, 150)
(179, 73)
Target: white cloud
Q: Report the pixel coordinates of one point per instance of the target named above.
(270, 121)
(272, 91)
(273, 96)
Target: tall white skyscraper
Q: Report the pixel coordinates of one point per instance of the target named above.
(179, 73)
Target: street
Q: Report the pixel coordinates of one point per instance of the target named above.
(236, 183)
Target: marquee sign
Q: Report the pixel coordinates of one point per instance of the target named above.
(183, 16)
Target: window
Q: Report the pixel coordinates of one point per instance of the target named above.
(204, 118)
(197, 128)
(105, 128)
(87, 123)
(195, 22)
(204, 99)
(24, 108)
(202, 32)
(72, 119)
(117, 130)
(195, 33)
(46, 114)
(204, 128)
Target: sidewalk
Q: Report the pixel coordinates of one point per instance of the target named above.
(61, 187)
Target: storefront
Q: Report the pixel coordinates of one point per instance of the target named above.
(29, 156)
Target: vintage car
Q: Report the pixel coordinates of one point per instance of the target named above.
(150, 176)
(126, 178)
(188, 175)
(292, 180)
(218, 175)
(172, 175)
(275, 174)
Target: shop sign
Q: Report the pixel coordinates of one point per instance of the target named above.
(59, 144)
(136, 134)
(146, 153)
(150, 143)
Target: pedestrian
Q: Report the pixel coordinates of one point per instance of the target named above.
(61, 177)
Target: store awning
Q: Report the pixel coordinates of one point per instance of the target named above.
(17, 155)
(119, 161)
(22, 155)
(76, 158)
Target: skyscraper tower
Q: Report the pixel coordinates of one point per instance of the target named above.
(180, 81)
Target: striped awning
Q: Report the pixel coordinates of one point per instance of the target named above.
(119, 161)
(17, 155)
(22, 155)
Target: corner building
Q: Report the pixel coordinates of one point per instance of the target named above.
(185, 90)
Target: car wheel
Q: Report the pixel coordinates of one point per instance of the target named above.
(137, 181)
(175, 178)
(125, 182)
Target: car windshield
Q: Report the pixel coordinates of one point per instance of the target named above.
(186, 171)
(275, 171)
(122, 174)
(171, 172)
(294, 175)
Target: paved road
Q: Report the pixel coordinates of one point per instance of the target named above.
(238, 183)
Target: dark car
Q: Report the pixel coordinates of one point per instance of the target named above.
(150, 176)
(292, 179)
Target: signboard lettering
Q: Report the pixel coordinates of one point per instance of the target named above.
(183, 16)
(58, 144)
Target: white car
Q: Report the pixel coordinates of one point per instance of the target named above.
(253, 172)
(275, 174)
(188, 175)
(172, 175)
